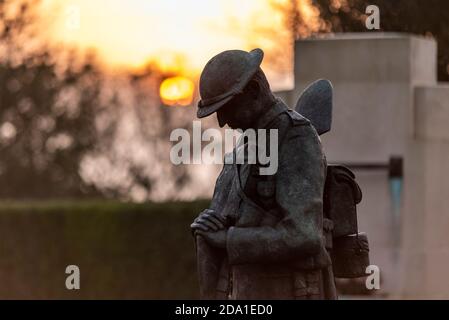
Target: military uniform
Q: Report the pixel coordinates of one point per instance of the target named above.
(276, 245)
(276, 248)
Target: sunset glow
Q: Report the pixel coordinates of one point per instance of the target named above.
(131, 33)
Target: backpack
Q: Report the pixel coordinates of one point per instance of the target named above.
(348, 247)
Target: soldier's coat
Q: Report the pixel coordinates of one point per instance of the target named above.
(275, 243)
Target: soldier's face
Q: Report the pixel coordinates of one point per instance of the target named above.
(238, 113)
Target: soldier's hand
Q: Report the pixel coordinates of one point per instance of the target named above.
(208, 220)
(214, 238)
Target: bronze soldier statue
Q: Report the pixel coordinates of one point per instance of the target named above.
(264, 236)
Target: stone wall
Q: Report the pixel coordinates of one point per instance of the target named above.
(426, 219)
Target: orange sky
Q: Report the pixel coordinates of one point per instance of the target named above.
(131, 32)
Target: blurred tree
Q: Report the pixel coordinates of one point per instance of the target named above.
(62, 121)
(47, 115)
(423, 17)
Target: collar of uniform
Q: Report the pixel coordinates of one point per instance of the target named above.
(276, 109)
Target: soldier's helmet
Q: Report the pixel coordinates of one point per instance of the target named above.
(224, 76)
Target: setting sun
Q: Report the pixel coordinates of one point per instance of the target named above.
(177, 91)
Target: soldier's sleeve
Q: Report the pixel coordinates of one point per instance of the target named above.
(222, 187)
(210, 259)
(299, 195)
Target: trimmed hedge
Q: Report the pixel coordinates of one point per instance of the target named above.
(124, 251)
